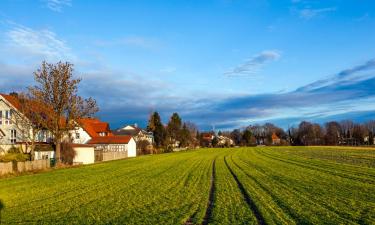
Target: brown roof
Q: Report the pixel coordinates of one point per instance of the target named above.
(207, 136)
(12, 100)
(111, 140)
(81, 145)
(94, 126)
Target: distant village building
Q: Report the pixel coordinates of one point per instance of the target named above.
(275, 139)
(207, 139)
(137, 133)
(224, 141)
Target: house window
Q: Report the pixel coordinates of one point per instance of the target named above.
(13, 136)
(7, 116)
(1, 117)
(78, 136)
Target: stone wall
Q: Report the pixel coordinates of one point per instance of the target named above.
(19, 167)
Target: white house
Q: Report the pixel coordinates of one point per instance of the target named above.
(8, 131)
(125, 144)
(15, 128)
(94, 132)
(137, 133)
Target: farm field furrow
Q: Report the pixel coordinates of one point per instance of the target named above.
(259, 185)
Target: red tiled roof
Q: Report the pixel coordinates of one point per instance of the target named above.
(111, 140)
(207, 136)
(94, 126)
(12, 100)
(81, 145)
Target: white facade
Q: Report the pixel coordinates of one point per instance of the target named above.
(44, 155)
(79, 136)
(9, 131)
(85, 155)
(131, 148)
(15, 128)
(141, 135)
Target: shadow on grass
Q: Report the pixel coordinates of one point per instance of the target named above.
(1, 208)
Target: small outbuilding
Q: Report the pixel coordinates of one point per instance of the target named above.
(85, 154)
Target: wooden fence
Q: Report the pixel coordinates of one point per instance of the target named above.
(19, 167)
(6, 168)
(108, 156)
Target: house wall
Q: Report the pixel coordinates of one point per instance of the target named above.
(6, 128)
(85, 155)
(44, 155)
(84, 137)
(23, 133)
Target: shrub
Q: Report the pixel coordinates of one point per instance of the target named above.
(67, 153)
(15, 150)
(19, 157)
(144, 147)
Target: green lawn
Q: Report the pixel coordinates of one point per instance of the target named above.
(261, 185)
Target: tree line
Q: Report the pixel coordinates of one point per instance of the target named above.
(344, 132)
(175, 134)
(179, 134)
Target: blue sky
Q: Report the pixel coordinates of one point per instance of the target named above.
(218, 63)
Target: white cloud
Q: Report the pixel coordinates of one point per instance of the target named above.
(57, 5)
(309, 13)
(253, 65)
(39, 44)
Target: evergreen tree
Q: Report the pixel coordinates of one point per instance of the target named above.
(174, 128)
(156, 126)
(185, 136)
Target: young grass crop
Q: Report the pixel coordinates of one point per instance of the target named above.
(268, 185)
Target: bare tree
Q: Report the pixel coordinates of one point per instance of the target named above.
(333, 133)
(58, 91)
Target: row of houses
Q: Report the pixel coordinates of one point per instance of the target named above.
(90, 137)
(223, 141)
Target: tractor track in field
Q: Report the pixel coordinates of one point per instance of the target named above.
(211, 199)
(247, 198)
(282, 184)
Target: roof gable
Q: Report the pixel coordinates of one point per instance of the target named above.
(94, 127)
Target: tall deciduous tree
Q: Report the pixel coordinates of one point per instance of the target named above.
(333, 132)
(58, 90)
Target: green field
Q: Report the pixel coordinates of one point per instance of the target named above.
(261, 185)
